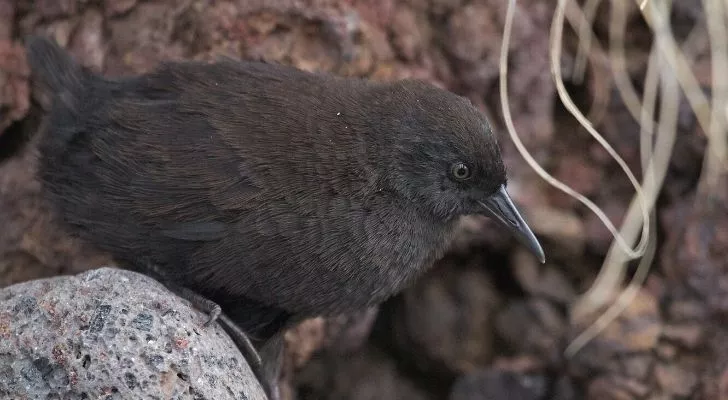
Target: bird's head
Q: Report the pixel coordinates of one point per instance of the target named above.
(441, 155)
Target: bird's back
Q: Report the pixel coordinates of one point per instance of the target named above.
(221, 175)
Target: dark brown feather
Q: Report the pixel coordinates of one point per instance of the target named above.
(272, 191)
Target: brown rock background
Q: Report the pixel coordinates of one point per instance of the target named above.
(488, 321)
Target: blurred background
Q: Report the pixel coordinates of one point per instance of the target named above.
(488, 322)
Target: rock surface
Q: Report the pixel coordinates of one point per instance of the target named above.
(672, 343)
(498, 385)
(445, 321)
(365, 375)
(113, 334)
(14, 89)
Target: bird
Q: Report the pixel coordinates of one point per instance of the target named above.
(274, 193)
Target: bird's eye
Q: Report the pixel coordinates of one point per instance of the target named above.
(461, 171)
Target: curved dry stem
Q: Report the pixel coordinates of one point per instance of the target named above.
(587, 47)
(656, 165)
(585, 38)
(714, 164)
(622, 301)
(617, 28)
(667, 65)
(555, 53)
(556, 36)
(694, 95)
(612, 273)
(652, 80)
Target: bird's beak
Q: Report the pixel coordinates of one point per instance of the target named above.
(500, 207)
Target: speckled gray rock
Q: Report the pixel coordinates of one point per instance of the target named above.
(113, 334)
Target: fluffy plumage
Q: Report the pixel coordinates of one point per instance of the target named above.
(271, 191)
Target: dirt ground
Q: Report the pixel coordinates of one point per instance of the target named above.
(488, 322)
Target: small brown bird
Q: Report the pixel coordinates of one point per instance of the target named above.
(277, 194)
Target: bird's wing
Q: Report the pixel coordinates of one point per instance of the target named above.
(184, 182)
(195, 230)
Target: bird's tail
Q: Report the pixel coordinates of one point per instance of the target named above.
(61, 86)
(53, 68)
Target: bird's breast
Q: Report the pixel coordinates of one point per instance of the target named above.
(338, 262)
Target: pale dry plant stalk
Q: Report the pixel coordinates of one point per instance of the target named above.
(590, 50)
(669, 71)
(610, 278)
(585, 35)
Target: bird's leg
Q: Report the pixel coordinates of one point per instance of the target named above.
(198, 301)
(238, 336)
(266, 364)
(214, 313)
(265, 371)
(261, 369)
